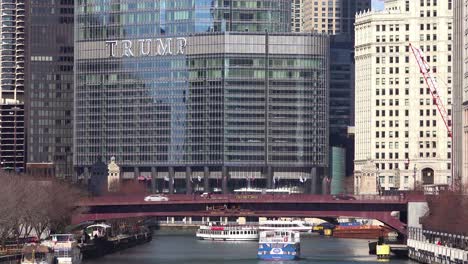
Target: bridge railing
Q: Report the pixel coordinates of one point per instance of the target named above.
(458, 241)
(379, 197)
(197, 222)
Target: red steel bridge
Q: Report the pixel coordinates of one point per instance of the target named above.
(251, 205)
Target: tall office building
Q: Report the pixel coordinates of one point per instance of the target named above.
(12, 85)
(399, 131)
(342, 96)
(337, 19)
(49, 97)
(460, 91)
(185, 101)
(332, 16)
(297, 15)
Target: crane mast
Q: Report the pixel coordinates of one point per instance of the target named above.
(432, 84)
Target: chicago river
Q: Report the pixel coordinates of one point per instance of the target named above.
(180, 248)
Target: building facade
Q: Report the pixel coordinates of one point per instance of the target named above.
(460, 112)
(49, 78)
(297, 15)
(231, 106)
(332, 16)
(398, 127)
(342, 96)
(193, 106)
(337, 19)
(12, 85)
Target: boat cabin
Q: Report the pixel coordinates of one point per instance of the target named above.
(98, 231)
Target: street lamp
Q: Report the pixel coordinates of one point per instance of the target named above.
(377, 179)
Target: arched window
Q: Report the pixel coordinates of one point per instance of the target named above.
(428, 176)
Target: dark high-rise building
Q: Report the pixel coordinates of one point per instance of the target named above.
(337, 17)
(342, 95)
(49, 80)
(181, 98)
(12, 24)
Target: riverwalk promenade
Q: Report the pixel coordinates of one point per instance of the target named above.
(430, 247)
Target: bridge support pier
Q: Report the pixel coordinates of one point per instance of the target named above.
(136, 173)
(188, 180)
(313, 180)
(269, 177)
(153, 180)
(206, 179)
(171, 180)
(86, 175)
(225, 180)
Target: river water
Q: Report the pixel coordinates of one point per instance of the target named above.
(181, 248)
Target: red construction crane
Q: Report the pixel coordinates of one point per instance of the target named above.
(432, 84)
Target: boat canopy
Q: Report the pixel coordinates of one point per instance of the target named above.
(98, 226)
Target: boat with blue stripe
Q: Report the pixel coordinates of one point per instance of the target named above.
(279, 245)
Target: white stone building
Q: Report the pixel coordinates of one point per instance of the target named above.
(398, 127)
(332, 16)
(297, 16)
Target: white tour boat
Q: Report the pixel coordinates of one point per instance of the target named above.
(291, 225)
(65, 248)
(228, 232)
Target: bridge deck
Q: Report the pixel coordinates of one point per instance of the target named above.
(244, 198)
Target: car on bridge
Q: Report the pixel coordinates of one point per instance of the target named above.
(156, 198)
(206, 195)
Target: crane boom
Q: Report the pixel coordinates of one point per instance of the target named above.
(432, 84)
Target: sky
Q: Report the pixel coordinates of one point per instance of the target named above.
(377, 4)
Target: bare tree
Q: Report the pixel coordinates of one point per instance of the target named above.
(33, 204)
(448, 212)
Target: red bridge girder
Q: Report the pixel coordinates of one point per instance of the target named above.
(373, 207)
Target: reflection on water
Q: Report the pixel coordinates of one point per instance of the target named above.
(184, 248)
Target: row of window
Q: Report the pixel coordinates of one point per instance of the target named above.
(391, 180)
(390, 112)
(395, 134)
(391, 166)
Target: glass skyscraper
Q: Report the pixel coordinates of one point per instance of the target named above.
(49, 82)
(178, 97)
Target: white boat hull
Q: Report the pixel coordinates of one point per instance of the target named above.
(227, 238)
(228, 233)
